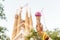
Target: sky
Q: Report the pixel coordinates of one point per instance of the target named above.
(50, 10)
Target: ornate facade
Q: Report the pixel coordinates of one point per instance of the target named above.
(21, 27)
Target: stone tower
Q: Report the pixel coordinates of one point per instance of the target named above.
(15, 26)
(22, 27)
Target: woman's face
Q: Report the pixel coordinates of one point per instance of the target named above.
(38, 17)
(38, 28)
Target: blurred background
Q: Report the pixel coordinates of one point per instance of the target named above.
(50, 10)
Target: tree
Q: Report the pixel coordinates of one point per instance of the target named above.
(34, 35)
(2, 15)
(55, 35)
(3, 35)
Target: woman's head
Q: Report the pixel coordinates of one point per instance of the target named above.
(39, 28)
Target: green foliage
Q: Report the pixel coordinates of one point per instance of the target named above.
(3, 34)
(2, 15)
(33, 34)
(55, 35)
(2, 29)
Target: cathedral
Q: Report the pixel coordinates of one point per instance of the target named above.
(21, 27)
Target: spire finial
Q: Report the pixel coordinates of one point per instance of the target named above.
(27, 10)
(16, 15)
(21, 9)
(30, 13)
(30, 20)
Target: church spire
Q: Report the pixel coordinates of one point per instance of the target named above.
(20, 11)
(30, 21)
(26, 20)
(14, 32)
(19, 20)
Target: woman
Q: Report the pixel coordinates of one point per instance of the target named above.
(42, 33)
